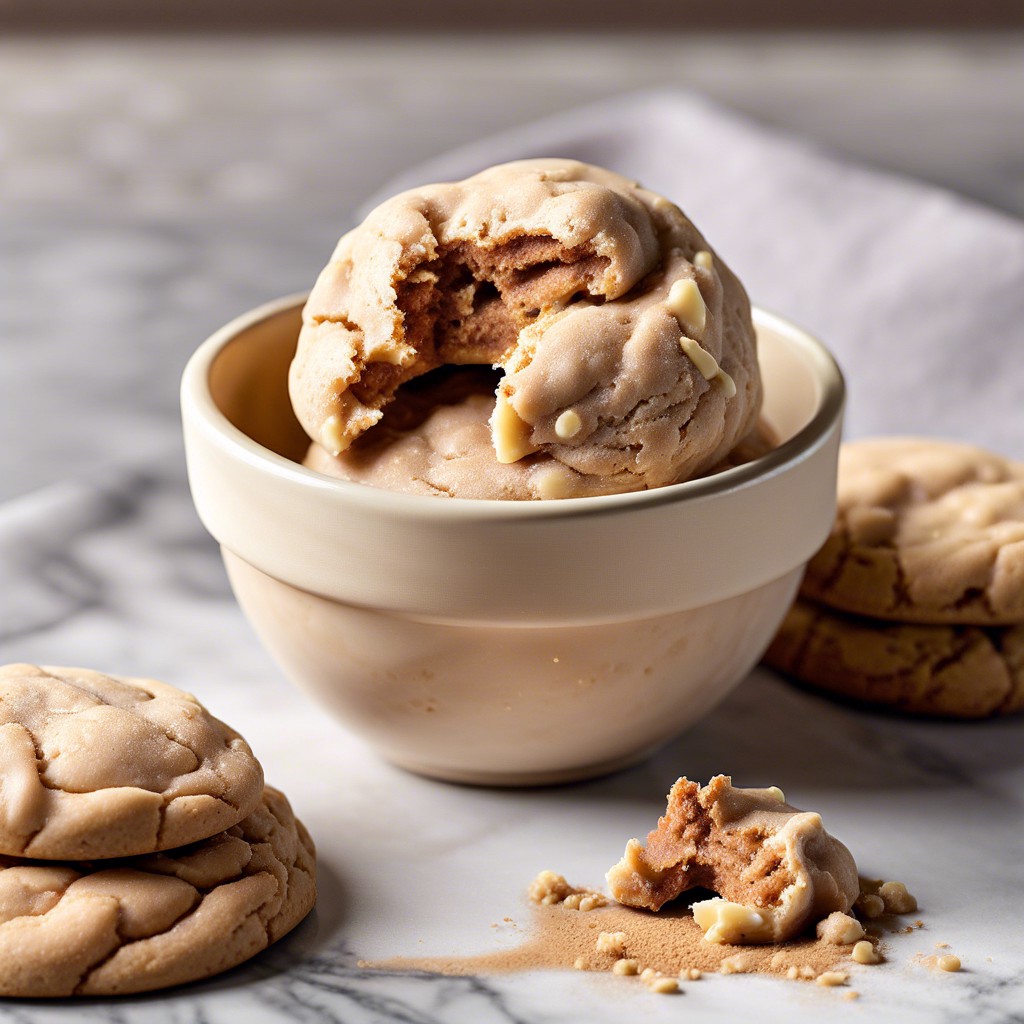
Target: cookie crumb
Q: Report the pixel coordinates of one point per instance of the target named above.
(831, 978)
(658, 982)
(869, 906)
(611, 942)
(840, 929)
(852, 995)
(691, 974)
(625, 967)
(548, 888)
(896, 899)
(579, 964)
(738, 964)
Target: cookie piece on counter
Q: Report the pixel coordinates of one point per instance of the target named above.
(775, 868)
(98, 929)
(949, 671)
(926, 531)
(97, 766)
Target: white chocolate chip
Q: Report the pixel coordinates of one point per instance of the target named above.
(554, 482)
(727, 384)
(700, 357)
(777, 793)
(722, 921)
(708, 368)
(625, 967)
(568, 424)
(948, 963)
(510, 433)
(864, 953)
(686, 304)
(703, 259)
(332, 435)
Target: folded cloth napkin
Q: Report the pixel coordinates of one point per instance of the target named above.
(918, 292)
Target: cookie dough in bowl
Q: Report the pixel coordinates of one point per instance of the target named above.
(626, 349)
(417, 586)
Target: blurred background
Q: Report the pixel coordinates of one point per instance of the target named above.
(164, 166)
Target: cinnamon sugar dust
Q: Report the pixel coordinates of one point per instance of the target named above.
(669, 942)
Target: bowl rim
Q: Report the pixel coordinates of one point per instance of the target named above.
(198, 403)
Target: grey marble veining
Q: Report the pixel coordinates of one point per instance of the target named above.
(111, 276)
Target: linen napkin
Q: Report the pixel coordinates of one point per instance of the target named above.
(919, 293)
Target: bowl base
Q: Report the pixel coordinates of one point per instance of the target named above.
(527, 779)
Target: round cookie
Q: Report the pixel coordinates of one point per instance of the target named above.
(97, 766)
(626, 346)
(948, 671)
(99, 929)
(926, 531)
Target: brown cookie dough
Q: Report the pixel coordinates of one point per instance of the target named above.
(776, 869)
(627, 349)
(951, 671)
(100, 766)
(926, 531)
(97, 929)
(435, 439)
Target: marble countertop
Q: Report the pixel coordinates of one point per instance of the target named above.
(156, 189)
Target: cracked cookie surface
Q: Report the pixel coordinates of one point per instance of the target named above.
(926, 531)
(104, 766)
(948, 671)
(109, 928)
(626, 348)
(775, 869)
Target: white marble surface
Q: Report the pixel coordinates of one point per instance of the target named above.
(102, 561)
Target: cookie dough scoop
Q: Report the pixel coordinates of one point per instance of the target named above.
(775, 868)
(95, 766)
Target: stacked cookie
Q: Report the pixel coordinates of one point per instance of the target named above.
(139, 847)
(916, 601)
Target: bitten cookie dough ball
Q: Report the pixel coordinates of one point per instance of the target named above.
(626, 349)
(926, 531)
(102, 766)
(100, 929)
(775, 868)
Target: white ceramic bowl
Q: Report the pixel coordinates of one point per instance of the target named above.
(497, 642)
